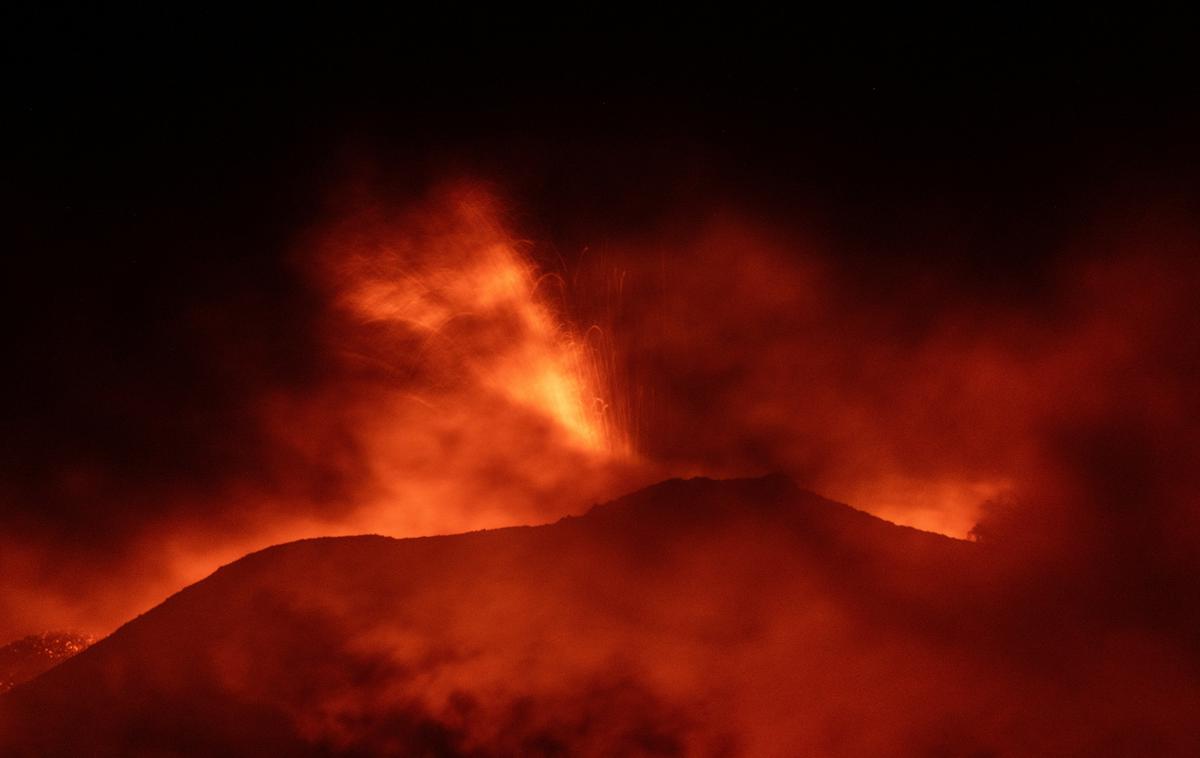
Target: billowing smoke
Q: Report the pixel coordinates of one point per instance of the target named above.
(429, 366)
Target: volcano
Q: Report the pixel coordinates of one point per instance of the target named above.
(693, 617)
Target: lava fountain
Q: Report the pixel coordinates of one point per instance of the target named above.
(476, 300)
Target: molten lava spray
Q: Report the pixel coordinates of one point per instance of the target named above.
(473, 303)
(463, 396)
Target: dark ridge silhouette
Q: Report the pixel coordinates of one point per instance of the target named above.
(693, 617)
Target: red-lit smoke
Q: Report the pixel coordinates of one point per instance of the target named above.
(470, 377)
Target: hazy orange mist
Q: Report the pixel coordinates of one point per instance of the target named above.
(463, 386)
(461, 396)
(516, 345)
(455, 395)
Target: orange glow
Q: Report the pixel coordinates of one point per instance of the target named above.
(463, 388)
(464, 385)
(472, 298)
(951, 507)
(467, 394)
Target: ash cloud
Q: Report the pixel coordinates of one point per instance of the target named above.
(730, 341)
(916, 300)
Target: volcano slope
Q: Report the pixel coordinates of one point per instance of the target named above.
(693, 617)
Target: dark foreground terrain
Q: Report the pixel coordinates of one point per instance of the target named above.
(694, 617)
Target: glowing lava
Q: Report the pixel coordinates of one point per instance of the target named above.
(476, 303)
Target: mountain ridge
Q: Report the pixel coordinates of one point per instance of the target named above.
(692, 616)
